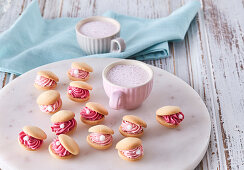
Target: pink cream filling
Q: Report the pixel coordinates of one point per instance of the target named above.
(89, 114)
(29, 141)
(44, 82)
(52, 107)
(76, 92)
(101, 139)
(63, 127)
(133, 153)
(174, 119)
(130, 127)
(58, 148)
(74, 72)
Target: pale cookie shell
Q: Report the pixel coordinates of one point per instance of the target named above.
(135, 119)
(69, 144)
(53, 154)
(128, 143)
(164, 123)
(101, 129)
(82, 66)
(35, 132)
(97, 146)
(129, 159)
(48, 74)
(167, 110)
(138, 135)
(97, 107)
(62, 116)
(48, 97)
(81, 84)
(91, 122)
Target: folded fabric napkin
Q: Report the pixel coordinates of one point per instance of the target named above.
(33, 41)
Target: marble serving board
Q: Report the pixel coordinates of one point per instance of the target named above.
(172, 149)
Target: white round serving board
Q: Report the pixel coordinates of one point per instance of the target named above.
(172, 149)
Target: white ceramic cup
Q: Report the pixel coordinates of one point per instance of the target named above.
(91, 45)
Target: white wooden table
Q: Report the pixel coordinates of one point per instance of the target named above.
(210, 59)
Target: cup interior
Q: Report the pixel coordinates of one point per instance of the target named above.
(97, 18)
(128, 62)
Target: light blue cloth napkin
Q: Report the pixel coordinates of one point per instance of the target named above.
(33, 41)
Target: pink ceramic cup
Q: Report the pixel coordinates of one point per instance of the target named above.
(127, 97)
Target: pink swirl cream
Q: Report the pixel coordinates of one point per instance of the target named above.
(58, 148)
(63, 127)
(44, 81)
(29, 142)
(52, 107)
(174, 119)
(101, 139)
(76, 92)
(81, 74)
(133, 153)
(89, 114)
(130, 127)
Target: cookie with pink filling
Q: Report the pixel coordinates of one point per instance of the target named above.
(101, 137)
(31, 138)
(46, 80)
(78, 91)
(63, 147)
(169, 116)
(79, 71)
(49, 101)
(132, 126)
(130, 149)
(93, 113)
(63, 122)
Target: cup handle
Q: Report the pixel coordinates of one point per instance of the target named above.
(116, 100)
(117, 45)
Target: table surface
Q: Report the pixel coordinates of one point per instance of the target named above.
(210, 59)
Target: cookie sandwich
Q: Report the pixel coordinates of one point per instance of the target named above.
(79, 71)
(31, 138)
(49, 101)
(169, 116)
(93, 113)
(130, 149)
(46, 80)
(63, 147)
(100, 137)
(63, 122)
(132, 126)
(78, 91)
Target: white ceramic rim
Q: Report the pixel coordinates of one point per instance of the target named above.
(97, 18)
(127, 62)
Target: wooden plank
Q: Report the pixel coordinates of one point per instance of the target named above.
(52, 9)
(13, 12)
(224, 28)
(183, 65)
(201, 80)
(2, 79)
